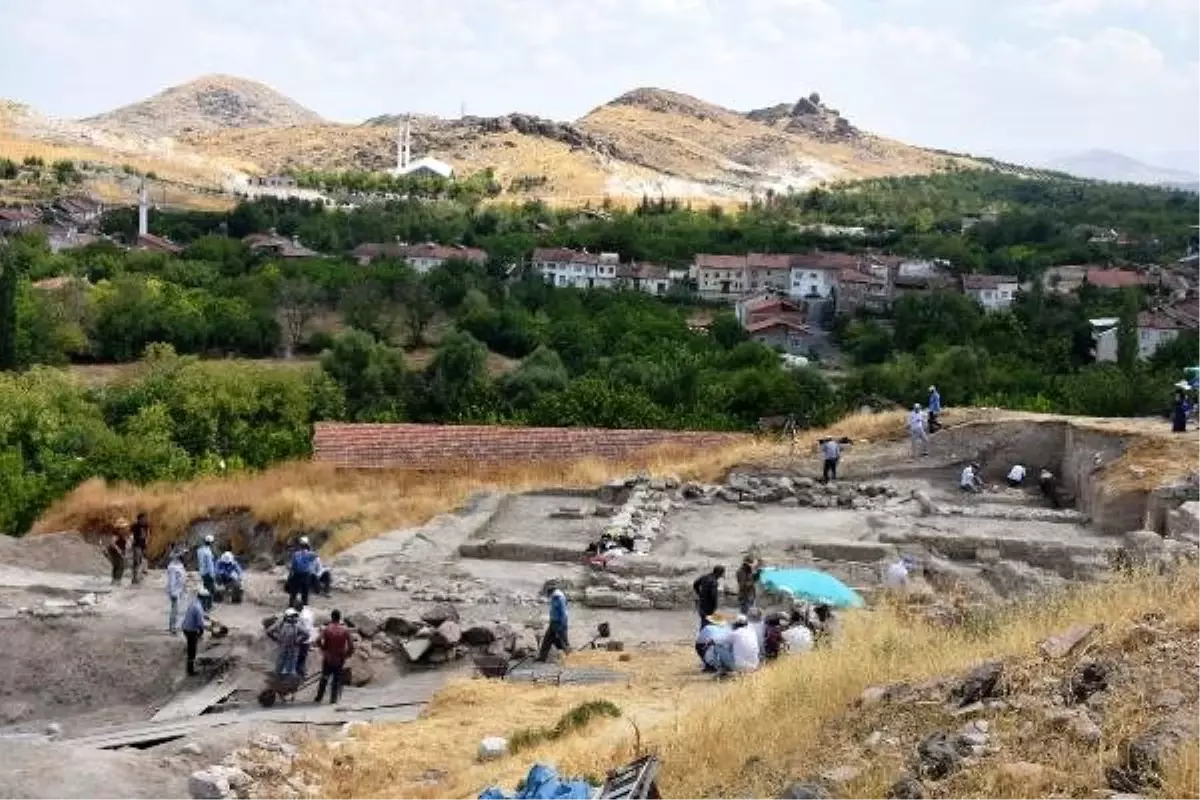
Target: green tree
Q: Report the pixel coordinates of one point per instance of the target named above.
(1127, 334)
(457, 378)
(370, 375)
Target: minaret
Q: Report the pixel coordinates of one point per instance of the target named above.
(407, 142)
(143, 210)
(399, 147)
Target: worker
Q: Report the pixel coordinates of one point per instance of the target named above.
(229, 576)
(176, 582)
(193, 628)
(822, 624)
(713, 646)
(744, 643)
(336, 647)
(935, 408)
(797, 636)
(831, 453)
(1179, 411)
(917, 433)
(1049, 486)
(324, 579)
(206, 565)
(287, 636)
(141, 540)
(772, 638)
(896, 576)
(558, 624)
(115, 551)
(708, 591)
(300, 573)
(754, 618)
(747, 582)
(1016, 476)
(968, 480)
(308, 637)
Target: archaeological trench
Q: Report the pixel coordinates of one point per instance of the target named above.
(92, 669)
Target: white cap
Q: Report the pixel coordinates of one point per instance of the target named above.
(291, 612)
(303, 540)
(208, 539)
(740, 620)
(202, 592)
(916, 406)
(933, 388)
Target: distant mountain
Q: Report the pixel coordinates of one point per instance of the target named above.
(208, 103)
(1105, 165)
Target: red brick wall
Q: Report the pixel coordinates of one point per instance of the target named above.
(427, 446)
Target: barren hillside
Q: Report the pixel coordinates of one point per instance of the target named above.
(211, 102)
(647, 141)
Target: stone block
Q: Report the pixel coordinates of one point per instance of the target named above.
(492, 748)
(600, 597)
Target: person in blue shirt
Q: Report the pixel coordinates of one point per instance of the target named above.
(935, 408)
(556, 631)
(193, 628)
(206, 565)
(300, 573)
(229, 575)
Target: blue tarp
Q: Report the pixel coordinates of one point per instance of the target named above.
(543, 783)
(811, 585)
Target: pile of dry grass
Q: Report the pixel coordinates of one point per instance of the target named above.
(358, 505)
(739, 739)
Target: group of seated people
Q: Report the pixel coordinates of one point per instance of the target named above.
(754, 638)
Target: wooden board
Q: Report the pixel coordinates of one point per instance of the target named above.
(195, 703)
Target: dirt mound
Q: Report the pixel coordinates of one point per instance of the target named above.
(212, 102)
(54, 552)
(35, 769)
(57, 667)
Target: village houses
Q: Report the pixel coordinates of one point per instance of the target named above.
(422, 257)
(1154, 329)
(993, 292)
(562, 267)
(649, 278)
(779, 322)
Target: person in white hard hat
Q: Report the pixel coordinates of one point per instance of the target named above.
(206, 565)
(918, 433)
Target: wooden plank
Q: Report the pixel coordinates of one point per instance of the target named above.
(196, 703)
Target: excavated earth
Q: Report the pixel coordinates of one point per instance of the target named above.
(86, 656)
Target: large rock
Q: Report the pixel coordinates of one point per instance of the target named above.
(1088, 678)
(209, 784)
(810, 789)
(416, 649)
(1183, 523)
(1144, 758)
(492, 748)
(399, 626)
(439, 614)
(981, 683)
(632, 601)
(906, 787)
(367, 623)
(1068, 642)
(479, 635)
(359, 669)
(447, 634)
(937, 755)
(524, 644)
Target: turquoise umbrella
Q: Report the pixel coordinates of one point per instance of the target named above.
(811, 585)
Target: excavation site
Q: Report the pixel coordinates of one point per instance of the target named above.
(447, 618)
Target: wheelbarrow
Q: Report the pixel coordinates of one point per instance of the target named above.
(283, 687)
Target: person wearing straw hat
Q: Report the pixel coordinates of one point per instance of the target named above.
(176, 583)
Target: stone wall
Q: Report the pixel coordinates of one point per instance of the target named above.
(432, 446)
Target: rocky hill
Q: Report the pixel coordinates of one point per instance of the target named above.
(212, 102)
(647, 141)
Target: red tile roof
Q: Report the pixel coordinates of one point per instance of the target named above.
(564, 255)
(708, 261)
(825, 260)
(769, 260)
(1158, 320)
(789, 321)
(643, 271)
(853, 276)
(1114, 278)
(18, 215)
(413, 446)
(157, 244)
(444, 252)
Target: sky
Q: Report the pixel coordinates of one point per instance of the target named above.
(1024, 79)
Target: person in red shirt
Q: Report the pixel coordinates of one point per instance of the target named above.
(336, 646)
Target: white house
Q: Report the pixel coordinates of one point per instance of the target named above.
(648, 278)
(993, 292)
(564, 267)
(1153, 331)
(815, 275)
(719, 277)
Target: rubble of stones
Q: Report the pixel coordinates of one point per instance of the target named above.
(1002, 713)
(436, 637)
(747, 491)
(54, 607)
(266, 768)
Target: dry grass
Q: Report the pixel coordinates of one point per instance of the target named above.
(729, 740)
(358, 505)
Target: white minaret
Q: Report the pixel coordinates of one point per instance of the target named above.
(407, 142)
(143, 210)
